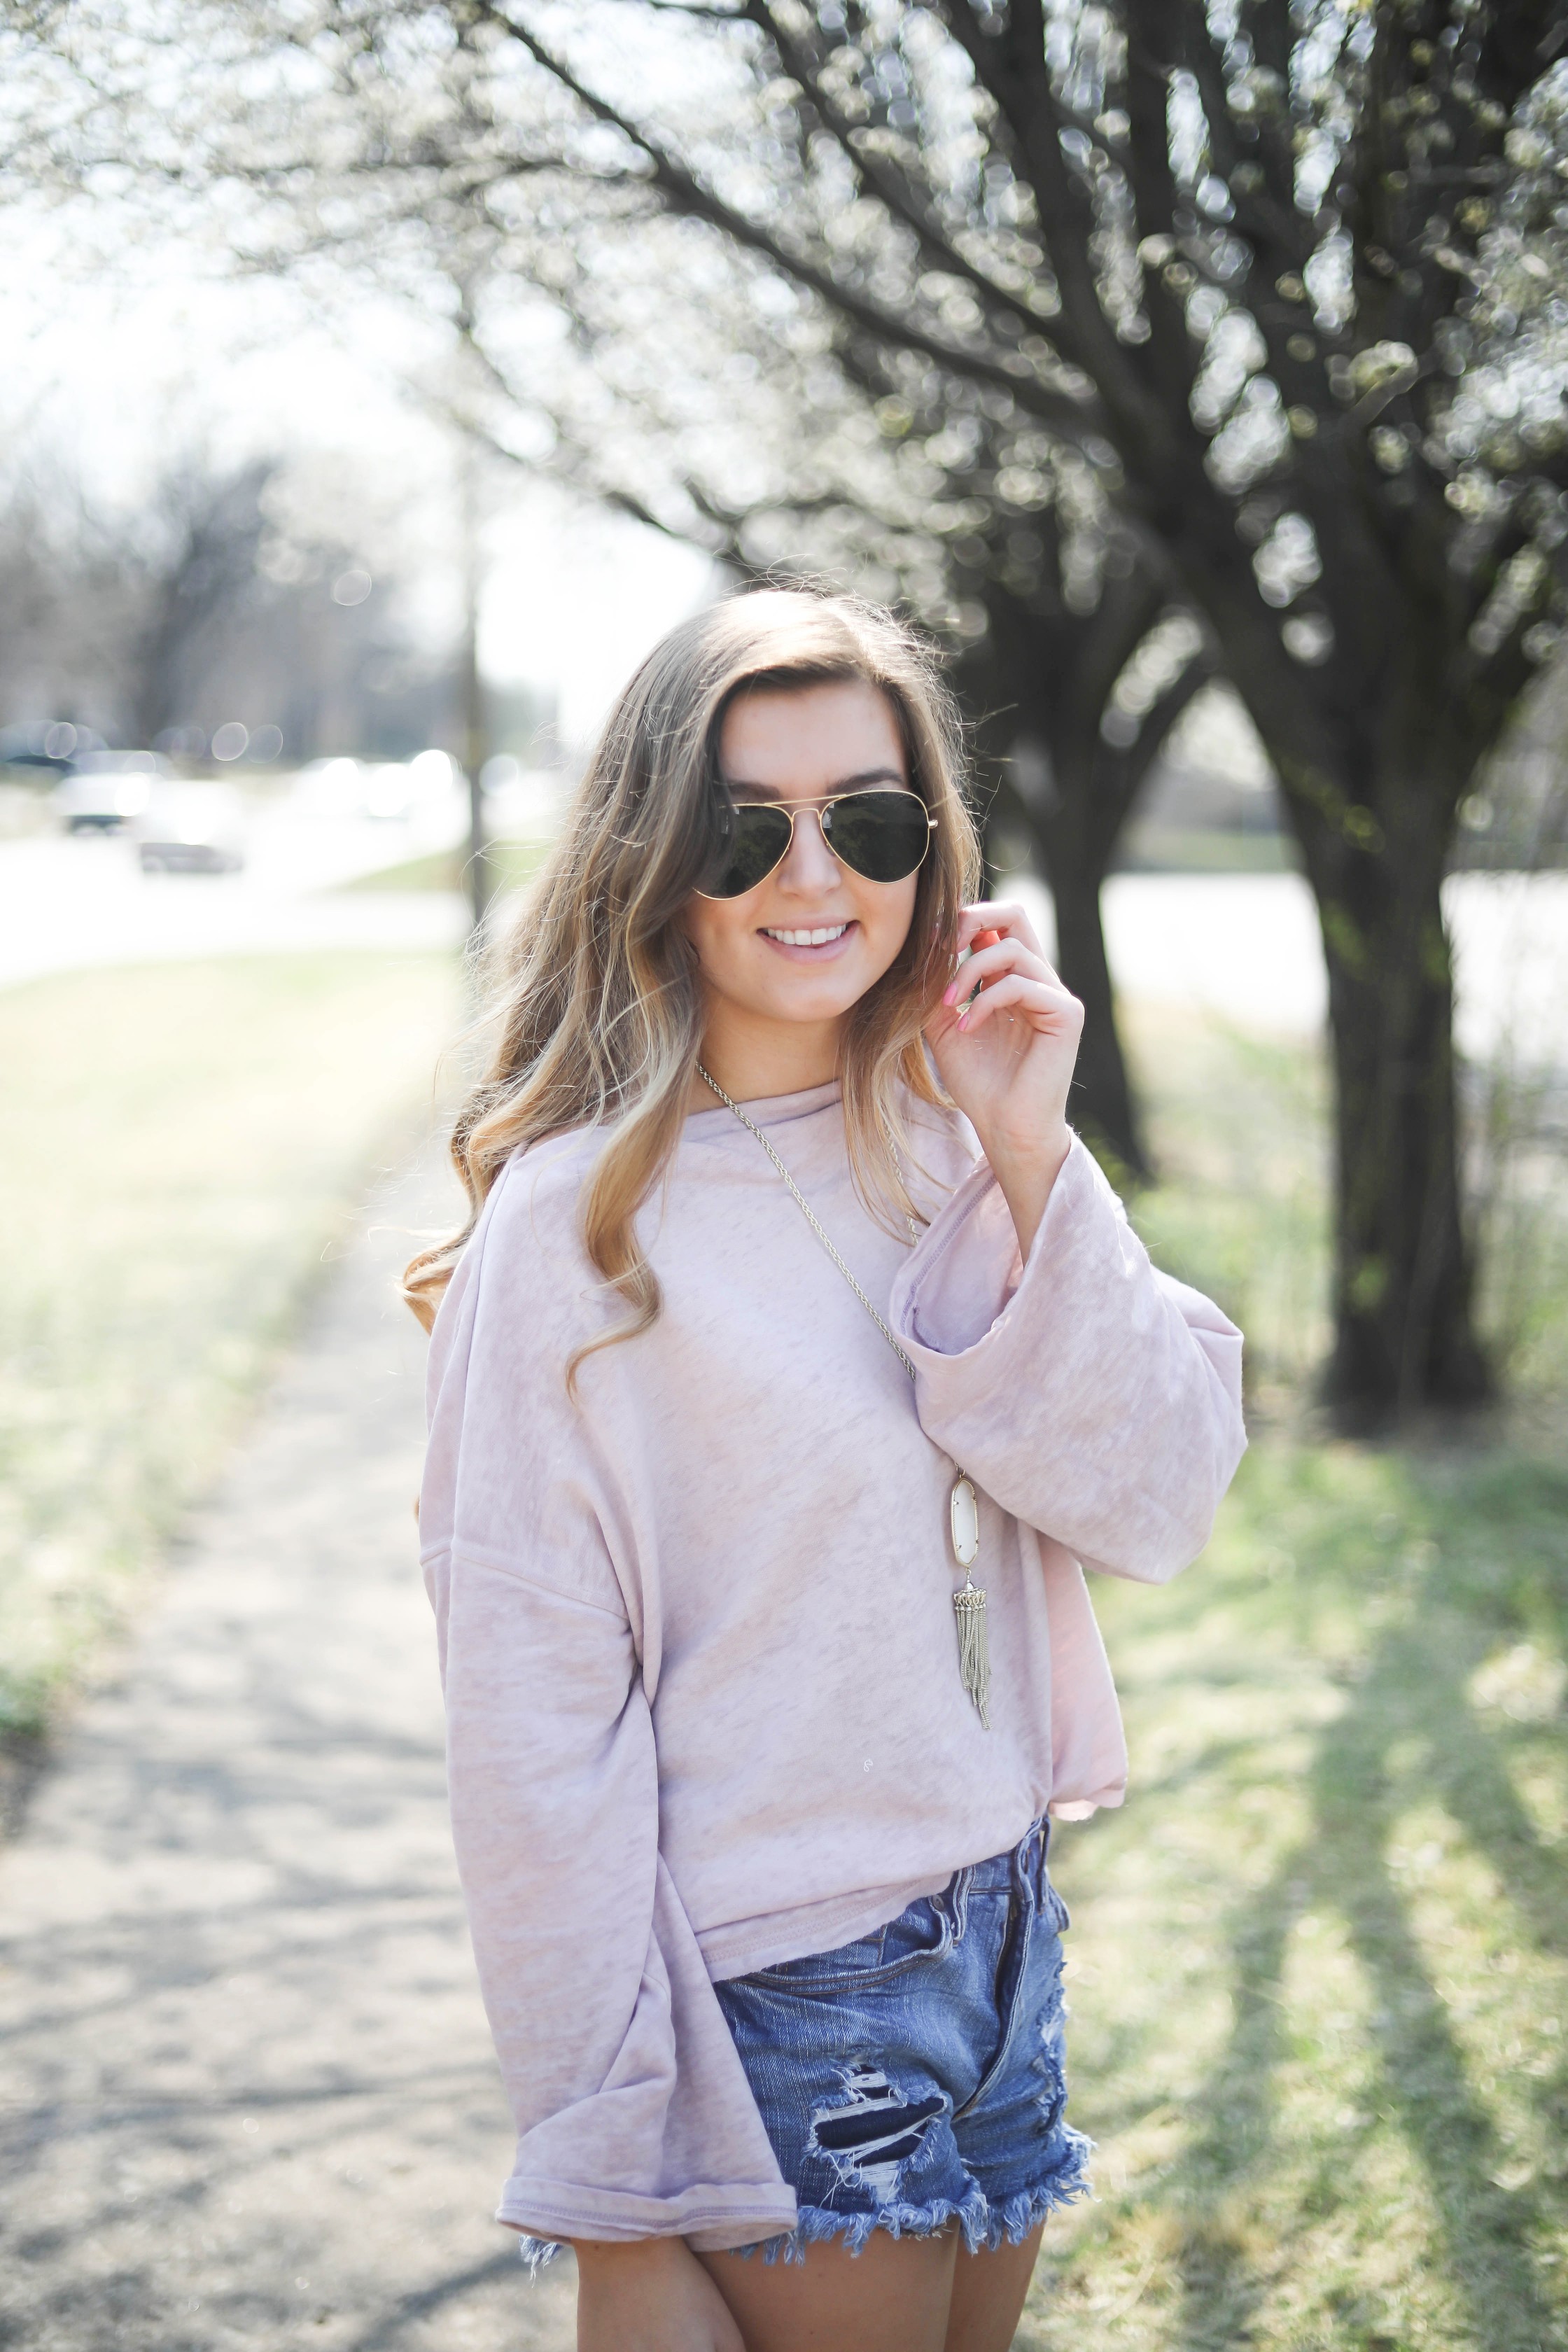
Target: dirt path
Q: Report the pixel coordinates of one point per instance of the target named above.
(247, 2096)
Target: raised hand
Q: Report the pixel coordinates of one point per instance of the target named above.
(1005, 1039)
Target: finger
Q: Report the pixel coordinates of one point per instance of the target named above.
(1018, 994)
(968, 945)
(978, 940)
(1002, 914)
(1045, 1008)
(987, 965)
(986, 941)
(996, 915)
(998, 954)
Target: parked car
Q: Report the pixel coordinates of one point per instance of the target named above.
(104, 789)
(191, 829)
(46, 748)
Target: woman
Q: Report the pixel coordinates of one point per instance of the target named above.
(793, 1358)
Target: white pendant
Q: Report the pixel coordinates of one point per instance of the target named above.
(965, 1515)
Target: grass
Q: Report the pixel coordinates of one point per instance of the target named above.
(1318, 1969)
(1240, 1133)
(511, 863)
(1319, 1966)
(1149, 847)
(178, 1144)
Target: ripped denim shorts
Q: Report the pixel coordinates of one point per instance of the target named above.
(914, 2077)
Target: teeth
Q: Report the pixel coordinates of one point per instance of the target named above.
(809, 939)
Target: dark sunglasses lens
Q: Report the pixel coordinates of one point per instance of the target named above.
(755, 839)
(882, 835)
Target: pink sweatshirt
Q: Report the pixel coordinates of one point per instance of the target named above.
(697, 1634)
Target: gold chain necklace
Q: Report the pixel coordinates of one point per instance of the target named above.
(964, 1509)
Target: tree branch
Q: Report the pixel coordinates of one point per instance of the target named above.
(685, 193)
(883, 183)
(1011, 66)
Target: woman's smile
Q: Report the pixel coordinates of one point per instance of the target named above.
(808, 943)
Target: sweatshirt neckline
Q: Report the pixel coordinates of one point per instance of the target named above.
(766, 1110)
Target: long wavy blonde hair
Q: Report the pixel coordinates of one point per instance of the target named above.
(596, 1000)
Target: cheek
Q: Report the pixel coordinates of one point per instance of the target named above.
(887, 911)
(714, 930)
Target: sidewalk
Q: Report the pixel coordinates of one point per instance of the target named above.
(246, 2095)
(66, 904)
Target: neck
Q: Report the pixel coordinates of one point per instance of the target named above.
(752, 1057)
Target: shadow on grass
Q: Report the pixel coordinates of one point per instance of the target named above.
(439, 2299)
(1411, 1690)
(22, 1757)
(1221, 2286)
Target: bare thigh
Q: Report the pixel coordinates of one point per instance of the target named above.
(893, 2296)
(897, 2295)
(988, 2292)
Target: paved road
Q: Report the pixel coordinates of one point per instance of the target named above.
(66, 904)
(247, 2096)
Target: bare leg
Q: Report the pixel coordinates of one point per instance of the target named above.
(893, 2296)
(988, 2292)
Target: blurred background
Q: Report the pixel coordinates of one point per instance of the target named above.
(380, 382)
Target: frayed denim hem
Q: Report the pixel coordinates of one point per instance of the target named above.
(536, 2253)
(819, 2223)
(1010, 2222)
(985, 2226)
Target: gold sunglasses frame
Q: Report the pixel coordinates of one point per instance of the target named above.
(818, 808)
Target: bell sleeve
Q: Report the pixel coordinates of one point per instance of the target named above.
(633, 2116)
(1091, 1395)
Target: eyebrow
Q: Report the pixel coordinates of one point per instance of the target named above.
(844, 784)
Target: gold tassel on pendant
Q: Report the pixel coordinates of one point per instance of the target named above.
(974, 1648)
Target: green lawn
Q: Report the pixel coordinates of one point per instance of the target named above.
(511, 863)
(1318, 1969)
(178, 1144)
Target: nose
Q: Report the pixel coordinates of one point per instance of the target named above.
(810, 867)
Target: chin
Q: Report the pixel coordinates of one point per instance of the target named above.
(804, 1010)
(815, 1000)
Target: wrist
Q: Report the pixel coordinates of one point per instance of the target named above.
(1027, 1178)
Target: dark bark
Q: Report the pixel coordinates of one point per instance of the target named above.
(1403, 1273)
(1102, 1104)
(1040, 686)
(1403, 1263)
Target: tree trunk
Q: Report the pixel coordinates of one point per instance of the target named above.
(1101, 1100)
(1102, 1106)
(472, 711)
(1039, 686)
(1403, 1269)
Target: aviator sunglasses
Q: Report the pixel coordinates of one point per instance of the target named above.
(881, 833)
